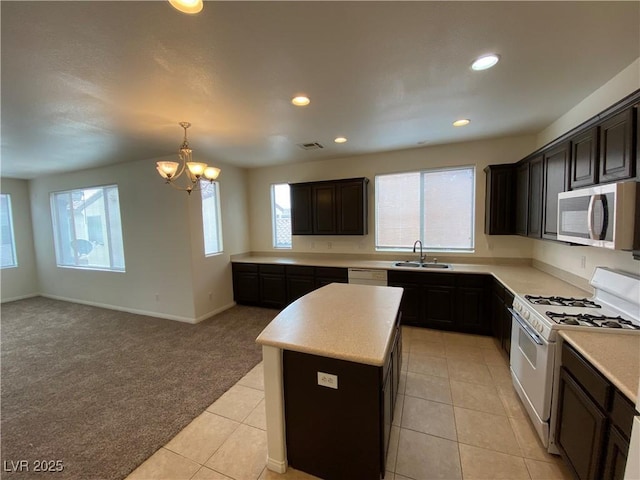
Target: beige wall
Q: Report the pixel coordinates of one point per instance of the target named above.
(570, 258)
(480, 154)
(212, 282)
(167, 274)
(21, 281)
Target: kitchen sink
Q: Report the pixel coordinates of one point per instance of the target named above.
(408, 264)
(423, 265)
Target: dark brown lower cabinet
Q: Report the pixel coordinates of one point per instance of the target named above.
(444, 301)
(276, 286)
(581, 429)
(501, 301)
(594, 420)
(343, 432)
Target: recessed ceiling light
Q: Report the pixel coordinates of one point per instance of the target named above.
(485, 61)
(300, 101)
(462, 122)
(187, 6)
(340, 140)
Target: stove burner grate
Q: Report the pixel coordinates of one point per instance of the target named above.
(587, 320)
(562, 301)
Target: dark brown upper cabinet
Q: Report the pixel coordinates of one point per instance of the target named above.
(331, 207)
(535, 196)
(522, 198)
(556, 164)
(617, 152)
(500, 211)
(584, 159)
(301, 209)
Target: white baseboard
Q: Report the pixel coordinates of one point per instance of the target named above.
(214, 312)
(21, 297)
(131, 310)
(278, 466)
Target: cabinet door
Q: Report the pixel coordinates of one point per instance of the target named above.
(273, 290)
(497, 306)
(581, 428)
(617, 161)
(411, 303)
(246, 285)
(556, 163)
(439, 306)
(350, 207)
(324, 206)
(298, 286)
(470, 310)
(387, 417)
(499, 205)
(535, 197)
(616, 454)
(301, 209)
(522, 198)
(584, 159)
(505, 340)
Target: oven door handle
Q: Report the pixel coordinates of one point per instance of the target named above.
(528, 330)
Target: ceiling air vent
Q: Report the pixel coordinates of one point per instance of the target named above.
(310, 146)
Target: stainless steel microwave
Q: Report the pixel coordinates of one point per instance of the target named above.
(600, 216)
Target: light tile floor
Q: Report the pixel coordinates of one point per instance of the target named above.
(457, 417)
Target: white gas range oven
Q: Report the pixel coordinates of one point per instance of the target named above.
(535, 355)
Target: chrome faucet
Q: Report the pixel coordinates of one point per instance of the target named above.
(422, 257)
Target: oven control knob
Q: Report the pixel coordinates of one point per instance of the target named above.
(526, 314)
(540, 328)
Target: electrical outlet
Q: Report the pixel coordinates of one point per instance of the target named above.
(157, 297)
(328, 380)
(583, 261)
(329, 245)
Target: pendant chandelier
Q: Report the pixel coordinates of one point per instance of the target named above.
(195, 172)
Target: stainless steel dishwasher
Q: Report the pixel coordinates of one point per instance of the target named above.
(368, 276)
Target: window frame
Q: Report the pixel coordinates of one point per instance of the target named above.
(422, 172)
(274, 227)
(204, 185)
(58, 241)
(12, 231)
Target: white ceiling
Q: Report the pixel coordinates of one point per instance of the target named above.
(92, 83)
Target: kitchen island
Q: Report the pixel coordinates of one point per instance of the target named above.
(331, 368)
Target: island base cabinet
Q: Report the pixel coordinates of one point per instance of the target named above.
(341, 432)
(332, 433)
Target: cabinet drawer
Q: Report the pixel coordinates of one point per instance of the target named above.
(274, 269)
(396, 277)
(299, 270)
(472, 280)
(439, 279)
(332, 272)
(245, 267)
(592, 381)
(622, 413)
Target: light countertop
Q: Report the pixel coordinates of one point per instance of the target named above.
(340, 320)
(521, 279)
(615, 355)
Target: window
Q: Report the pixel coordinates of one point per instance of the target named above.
(8, 248)
(434, 206)
(281, 215)
(211, 217)
(87, 229)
